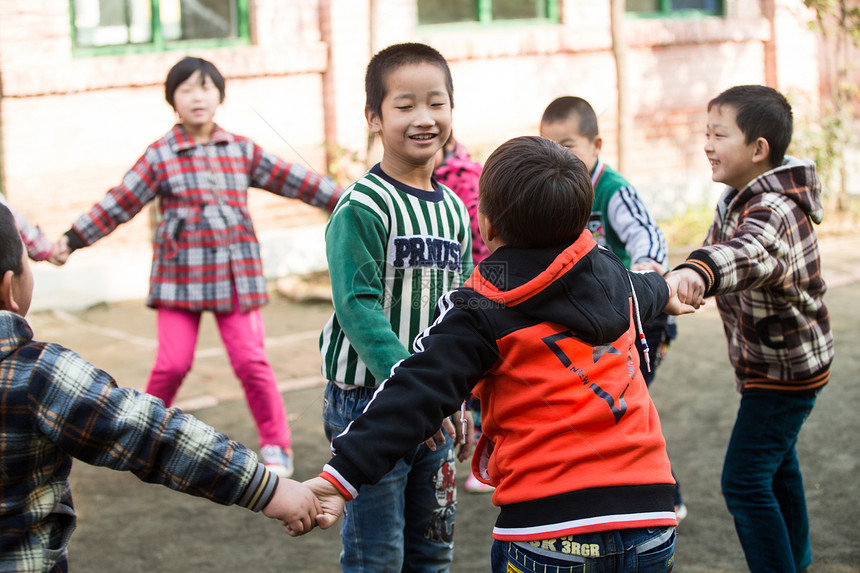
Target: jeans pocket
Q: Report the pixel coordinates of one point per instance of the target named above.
(658, 559)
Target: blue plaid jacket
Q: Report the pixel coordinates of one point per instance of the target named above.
(54, 406)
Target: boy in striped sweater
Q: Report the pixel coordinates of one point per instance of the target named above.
(396, 242)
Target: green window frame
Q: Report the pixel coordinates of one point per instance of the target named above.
(673, 8)
(486, 12)
(116, 27)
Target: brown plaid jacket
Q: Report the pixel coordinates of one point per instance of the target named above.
(762, 263)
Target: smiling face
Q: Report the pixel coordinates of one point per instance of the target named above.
(415, 119)
(196, 100)
(566, 133)
(733, 161)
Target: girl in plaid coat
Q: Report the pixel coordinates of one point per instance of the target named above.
(205, 252)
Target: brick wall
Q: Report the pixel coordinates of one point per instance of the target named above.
(70, 126)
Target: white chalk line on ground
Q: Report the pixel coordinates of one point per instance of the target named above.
(208, 400)
(152, 343)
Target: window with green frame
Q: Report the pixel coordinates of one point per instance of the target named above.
(119, 26)
(485, 11)
(673, 7)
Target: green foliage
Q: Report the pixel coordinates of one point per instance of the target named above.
(689, 229)
(835, 17)
(826, 140)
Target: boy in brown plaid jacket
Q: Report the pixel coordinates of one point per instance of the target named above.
(761, 262)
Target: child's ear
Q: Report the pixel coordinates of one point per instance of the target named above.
(598, 144)
(7, 300)
(373, 120)
(761, 150)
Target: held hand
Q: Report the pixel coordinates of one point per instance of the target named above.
(688, 285)
(295, 505)
(464, 424)
(439, 436)
(60, 251)
(330, 501)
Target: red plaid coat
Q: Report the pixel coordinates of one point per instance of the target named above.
(205, 242)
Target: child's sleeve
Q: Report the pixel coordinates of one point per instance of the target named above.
(355, 249)
(450, 357)
(293, 181)
(652, 293)
(82, 411)
(119, 205)
(643, 240)
(38, 245)
(757, 254)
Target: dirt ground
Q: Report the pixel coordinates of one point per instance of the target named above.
(126, 525)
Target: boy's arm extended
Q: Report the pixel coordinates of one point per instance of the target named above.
(758, 252)
(450, 357)
(80, 409)
(293, 181)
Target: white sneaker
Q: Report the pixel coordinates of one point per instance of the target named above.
(472, 485)
(680, 512)
(277, 460)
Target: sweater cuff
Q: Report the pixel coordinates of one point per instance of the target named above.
(260, 491)
(345, 489)
(75, 240)
(703, 266)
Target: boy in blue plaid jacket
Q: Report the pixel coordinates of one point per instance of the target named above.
(55, 406)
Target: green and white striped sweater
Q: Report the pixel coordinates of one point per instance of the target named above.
(392, 251)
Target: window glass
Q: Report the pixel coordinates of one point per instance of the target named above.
(111, 22)
(484, 11)
(102, 23)
(518, 9)
(669, 6)
(444, 11)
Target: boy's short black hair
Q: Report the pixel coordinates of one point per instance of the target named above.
(535, 193)
(183, 69)
(566, 107)
(11, 246)
(393, 57)
(761, 112)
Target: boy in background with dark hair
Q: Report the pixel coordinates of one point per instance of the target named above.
(396, 242)
(761, 262)
(54, 406)
(543, 333)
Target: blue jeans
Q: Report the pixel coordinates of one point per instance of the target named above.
(405, 522)
(762, 484)
(644, 550)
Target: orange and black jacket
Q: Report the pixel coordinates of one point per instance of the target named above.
(545, 338)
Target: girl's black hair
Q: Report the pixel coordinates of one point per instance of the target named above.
(183, 69)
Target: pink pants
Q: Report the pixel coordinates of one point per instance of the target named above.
(243, 337)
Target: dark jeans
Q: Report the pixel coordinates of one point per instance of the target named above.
(642, 550)
(762, 484)
(405, 522)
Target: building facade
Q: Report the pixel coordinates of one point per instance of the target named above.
(81, 96)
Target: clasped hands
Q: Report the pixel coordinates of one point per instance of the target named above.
(316, 502)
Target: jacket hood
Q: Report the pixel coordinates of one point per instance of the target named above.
(583, 287)
(797, 180)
